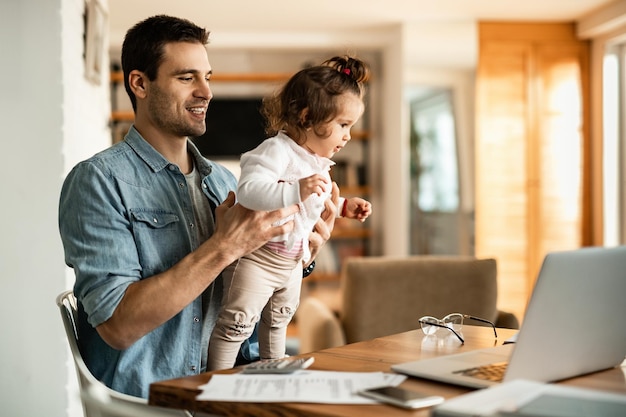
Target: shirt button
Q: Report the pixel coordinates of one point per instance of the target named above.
(171, 168)
(196, 319)
(181, 184)
(155, 220)
(191, 225)
(204, 186)
(193, 368)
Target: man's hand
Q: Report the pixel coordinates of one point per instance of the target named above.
(241, 231)
(325, 224)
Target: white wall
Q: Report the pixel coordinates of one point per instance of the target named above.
(46, 107)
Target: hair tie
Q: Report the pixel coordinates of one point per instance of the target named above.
(346, 71)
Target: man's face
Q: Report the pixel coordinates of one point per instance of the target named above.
(178, 98)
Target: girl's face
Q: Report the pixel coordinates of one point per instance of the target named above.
(350, 110)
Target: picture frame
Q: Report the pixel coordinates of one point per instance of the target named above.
(96, 21)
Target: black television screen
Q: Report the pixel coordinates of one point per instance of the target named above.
(233, 126)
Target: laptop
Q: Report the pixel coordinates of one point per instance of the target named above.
(575, 324)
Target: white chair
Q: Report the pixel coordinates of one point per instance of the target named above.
(91, 387)
(100, 403)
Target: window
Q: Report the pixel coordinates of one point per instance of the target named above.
(437, 224)
(433, 154)
(614, 145)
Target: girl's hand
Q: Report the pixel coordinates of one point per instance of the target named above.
(315, 184)
(358, 208)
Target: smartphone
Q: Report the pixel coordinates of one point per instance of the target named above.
(402, 397)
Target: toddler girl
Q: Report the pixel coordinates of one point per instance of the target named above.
(311, 118)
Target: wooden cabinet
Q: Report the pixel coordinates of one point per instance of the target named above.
(531, 149)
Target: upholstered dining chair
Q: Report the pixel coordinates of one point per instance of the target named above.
(386, 295)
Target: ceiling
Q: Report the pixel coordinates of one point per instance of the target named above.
(440, 33)
(277, 16)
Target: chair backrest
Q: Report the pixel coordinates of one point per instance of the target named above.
(101, 404)
(68, 308)
(99, 400)
(386, 295)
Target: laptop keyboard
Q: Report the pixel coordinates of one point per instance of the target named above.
(492, 372)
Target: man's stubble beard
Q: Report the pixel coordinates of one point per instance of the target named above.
(160, 109)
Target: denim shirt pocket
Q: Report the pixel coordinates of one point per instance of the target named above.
(155, 219)
(161, 239)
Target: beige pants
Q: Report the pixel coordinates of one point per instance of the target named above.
(261, 286)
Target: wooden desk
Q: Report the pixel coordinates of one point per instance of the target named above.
(373, 355)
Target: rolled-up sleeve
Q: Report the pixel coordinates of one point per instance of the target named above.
(98, 240)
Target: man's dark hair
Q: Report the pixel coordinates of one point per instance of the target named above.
(144, 44)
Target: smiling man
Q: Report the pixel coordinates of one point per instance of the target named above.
(149, 224)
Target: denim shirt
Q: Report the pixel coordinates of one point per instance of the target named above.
(124, 215)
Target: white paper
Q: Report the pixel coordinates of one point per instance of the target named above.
(302, 386)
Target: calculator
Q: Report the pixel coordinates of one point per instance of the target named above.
(278, 366)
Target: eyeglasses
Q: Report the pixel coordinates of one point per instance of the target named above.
(452, 322)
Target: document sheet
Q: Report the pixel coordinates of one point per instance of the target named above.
(302, 386)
